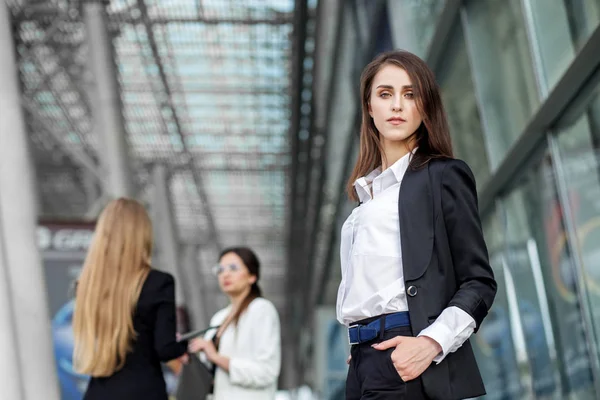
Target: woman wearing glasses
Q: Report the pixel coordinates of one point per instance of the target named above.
(246, 348)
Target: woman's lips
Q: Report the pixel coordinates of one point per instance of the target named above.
(396, 120)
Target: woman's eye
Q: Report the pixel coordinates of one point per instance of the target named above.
(409, 95)
(385, 95)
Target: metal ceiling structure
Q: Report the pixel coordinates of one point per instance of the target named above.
(217, 91)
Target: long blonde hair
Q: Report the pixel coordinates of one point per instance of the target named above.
(116, 266)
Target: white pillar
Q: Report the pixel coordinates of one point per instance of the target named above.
(20, 259)
(10, 368)
(165, 233)
(108, 121)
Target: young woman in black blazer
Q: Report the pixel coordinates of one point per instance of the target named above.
(416, 280)
(124, 320)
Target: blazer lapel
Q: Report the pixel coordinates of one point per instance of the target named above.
(415, 209)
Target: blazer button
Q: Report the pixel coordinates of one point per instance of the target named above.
(412, 291)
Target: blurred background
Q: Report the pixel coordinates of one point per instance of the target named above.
(236, 122)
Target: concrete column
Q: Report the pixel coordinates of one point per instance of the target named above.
(108, 120)
(20, 261)
(10, 368)
(165, 233)
(194, 287)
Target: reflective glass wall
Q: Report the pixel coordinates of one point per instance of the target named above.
(509, 80)
(521, 87)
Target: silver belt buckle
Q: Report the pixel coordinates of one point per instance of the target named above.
(349, 340)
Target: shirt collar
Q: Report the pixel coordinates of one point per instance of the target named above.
(382, 180)
(363, 185)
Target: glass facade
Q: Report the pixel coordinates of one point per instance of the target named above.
(502, 70)
(577, 148)
(558, 30)
(538, 300)
(413, 23)
(458, 95)
(498, 69)
(541, 338)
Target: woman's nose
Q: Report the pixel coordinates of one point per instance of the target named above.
(397, 104)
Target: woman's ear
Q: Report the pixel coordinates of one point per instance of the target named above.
(370, 110)
(252, 279)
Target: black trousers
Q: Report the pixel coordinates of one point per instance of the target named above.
(372, 376)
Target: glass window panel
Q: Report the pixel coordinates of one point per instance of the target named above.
(458, 95)
(561, 28)
(535, 267)
(584, 16)
(534, 215)
(579, 148)
(523, 241)
(493, 344)
(536, 273)
(413, 23)
(502, 69)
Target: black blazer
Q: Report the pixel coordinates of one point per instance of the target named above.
(445, 264)
(154, 322)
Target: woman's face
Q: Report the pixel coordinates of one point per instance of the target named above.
(234, 276)
(392, 106)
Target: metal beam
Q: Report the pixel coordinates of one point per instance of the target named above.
(282, 19)
(292, 369)
(445, 23)
(234, 120)
(196, 150)
(148, 123)
(78, 157)
(324, 125)
(29, 53)
(220, 90)
(575, 80)
(284, 168)
(203, 237)
(45, 83)
(198, 179)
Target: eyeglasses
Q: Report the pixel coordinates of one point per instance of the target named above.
(219, 269)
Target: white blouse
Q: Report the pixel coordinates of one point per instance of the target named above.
(254, 350)
(371, 260)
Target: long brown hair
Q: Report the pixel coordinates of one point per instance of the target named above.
(432, 137)
(251, 262)
(116, 266)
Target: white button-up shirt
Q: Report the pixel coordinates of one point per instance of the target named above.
(371, 260)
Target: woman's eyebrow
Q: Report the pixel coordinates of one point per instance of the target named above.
(391, 87)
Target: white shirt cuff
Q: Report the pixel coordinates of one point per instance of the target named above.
(450, 330)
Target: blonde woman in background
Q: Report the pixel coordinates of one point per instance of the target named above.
(124, 320)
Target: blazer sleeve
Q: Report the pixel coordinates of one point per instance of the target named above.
(165, 343)
(474, 276)
(262, 369)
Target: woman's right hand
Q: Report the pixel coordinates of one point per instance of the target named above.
(349, 359)
(195, 345)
